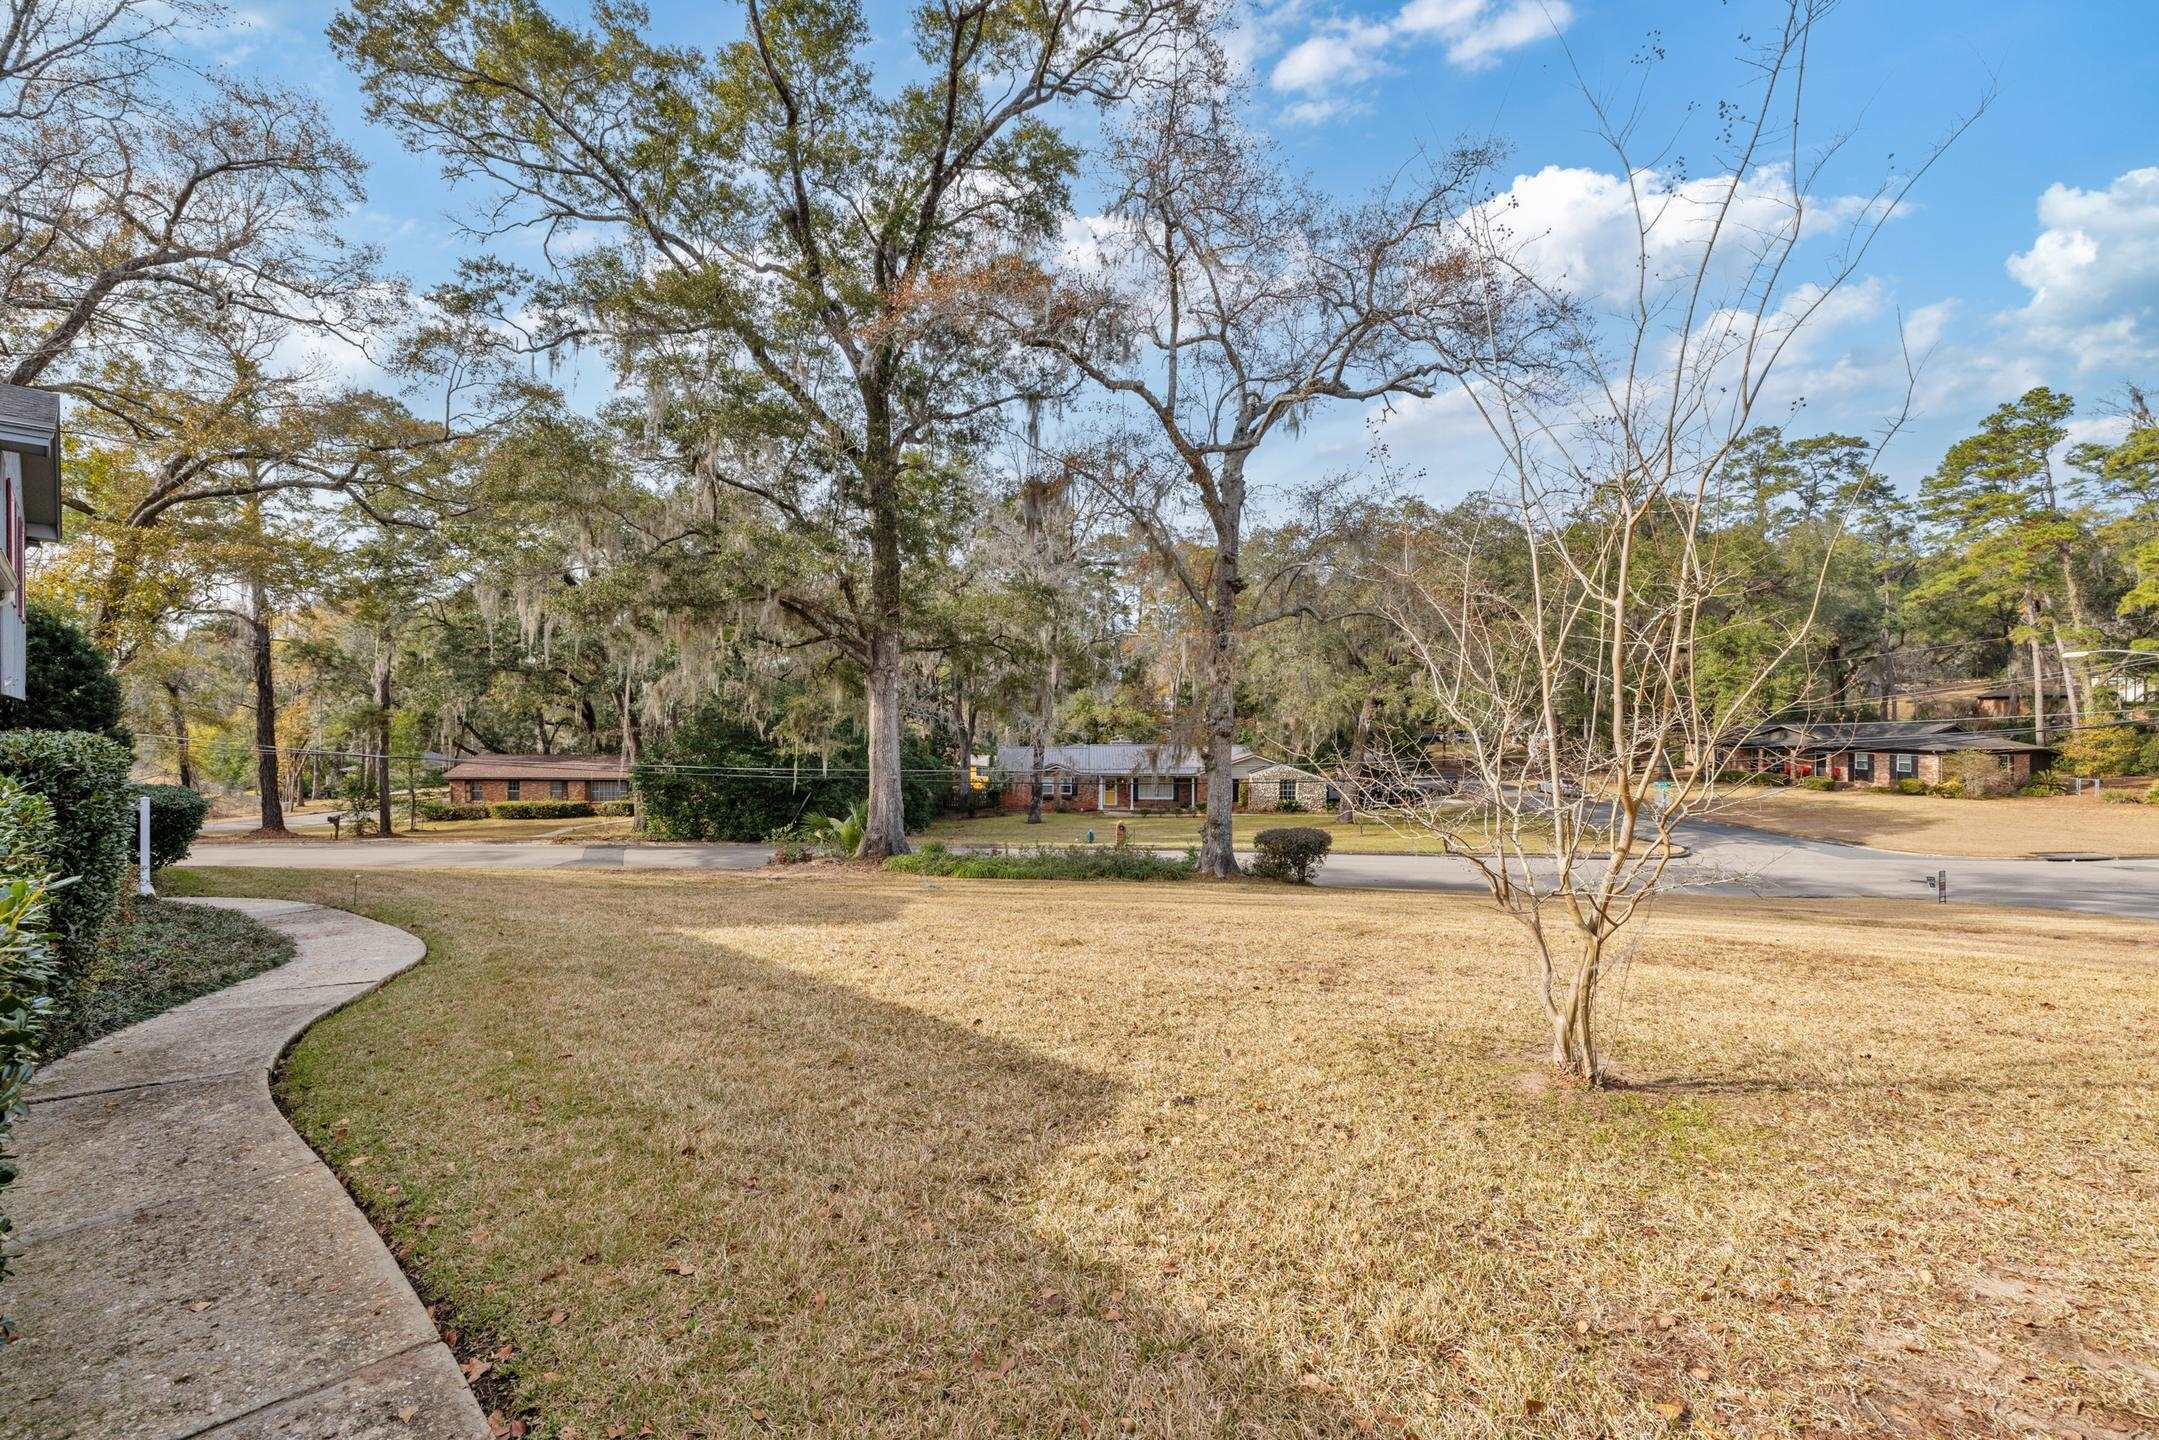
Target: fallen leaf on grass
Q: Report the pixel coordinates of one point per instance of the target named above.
(1671, 1411)
(557, 1317)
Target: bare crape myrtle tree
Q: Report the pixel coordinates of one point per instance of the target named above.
(1574, 629)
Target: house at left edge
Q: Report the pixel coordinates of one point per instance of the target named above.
(29, 512)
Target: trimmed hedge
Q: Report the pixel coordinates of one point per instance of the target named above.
(1815, 782)
(176, 816)
(440, 810)
(614, 807)
(540, 810)
(1291, 852)
(27, 837)
(1075, 862)
(1910, 787)
(84, 778)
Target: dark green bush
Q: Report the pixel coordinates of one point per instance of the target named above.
(69, 684)
(613, 807)
(684, 798)
(84, 779)
(27, 837)
(1910, 787)
(176, 816)
(443, 810)
(1291, 852)
(2041, 786)
(540, 809)
(1076, 862)
(1815, 782)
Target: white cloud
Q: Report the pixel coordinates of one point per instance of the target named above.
(2093, 273)
(1347, 50)
(1576, 228)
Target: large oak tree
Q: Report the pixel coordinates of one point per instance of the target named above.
(775, 239)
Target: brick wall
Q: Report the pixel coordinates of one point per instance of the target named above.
(490, 792)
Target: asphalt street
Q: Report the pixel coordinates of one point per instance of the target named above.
(1725, 860)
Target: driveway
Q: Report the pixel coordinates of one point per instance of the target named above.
(1726, 860)
(1733, 860)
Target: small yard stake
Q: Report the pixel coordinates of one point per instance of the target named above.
(142, 847)
(1941, 887)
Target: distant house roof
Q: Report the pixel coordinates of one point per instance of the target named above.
(539, 767)
(30, 428)
(1916, 737)
(1119, 759)
(1783, 737)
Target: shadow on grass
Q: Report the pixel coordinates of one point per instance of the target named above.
(698, 1189)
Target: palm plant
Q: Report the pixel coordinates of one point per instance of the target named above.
(841, 835)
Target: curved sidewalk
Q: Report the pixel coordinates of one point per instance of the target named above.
(187, 1266)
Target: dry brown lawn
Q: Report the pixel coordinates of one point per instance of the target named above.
(587, 830)
(850, 1154)
(1930, 825)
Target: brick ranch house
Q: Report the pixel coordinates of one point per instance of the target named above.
(1143, 778)
(1881, 753)
(487, 779)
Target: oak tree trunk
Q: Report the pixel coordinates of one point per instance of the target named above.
(266, 778)
(1217, 847)
(885, 834)
(1353, 773)
(178, 711)
(382, 735)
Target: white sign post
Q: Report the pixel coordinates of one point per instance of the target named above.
(142, 847)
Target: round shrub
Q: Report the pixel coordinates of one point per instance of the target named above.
(1815, 782)
(1910, 787)
(68, 681)
(176, 816)
(1291, 852)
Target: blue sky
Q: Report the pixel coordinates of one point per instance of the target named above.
(2031, 255)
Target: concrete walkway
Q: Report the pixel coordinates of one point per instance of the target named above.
(187, 1266)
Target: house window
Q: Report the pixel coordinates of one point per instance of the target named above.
(513, 789)
(473, 793)
(1285, 792)
(608, 789)
(1157, 789)
(1906, 765)
(558, 789)
(1862, 765)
